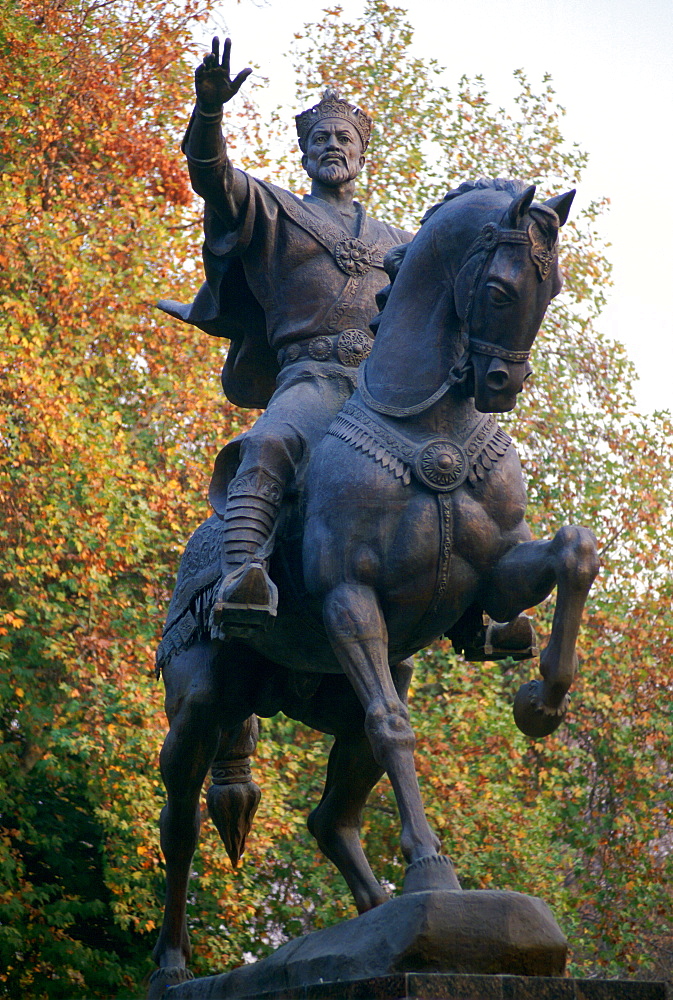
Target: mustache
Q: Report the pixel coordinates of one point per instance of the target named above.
(333, 157)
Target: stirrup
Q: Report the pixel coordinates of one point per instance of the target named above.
(246, 601)
(516, 640)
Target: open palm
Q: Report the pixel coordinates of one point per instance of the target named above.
(212, 79)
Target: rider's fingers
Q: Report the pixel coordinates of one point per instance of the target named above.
(226, 55)
(216, 50)
(240, 79)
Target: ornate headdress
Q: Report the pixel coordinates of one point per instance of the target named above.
(333, 106)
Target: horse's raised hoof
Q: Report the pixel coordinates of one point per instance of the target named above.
(532, 716)
(431, 874)
(162, 978)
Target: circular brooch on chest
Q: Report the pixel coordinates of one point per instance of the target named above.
(441, 465)
(353, 256)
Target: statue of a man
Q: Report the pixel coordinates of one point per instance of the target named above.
(292, 283)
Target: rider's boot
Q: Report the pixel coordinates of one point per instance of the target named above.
(248, 598)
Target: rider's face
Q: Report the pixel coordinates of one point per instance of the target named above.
(334, 152)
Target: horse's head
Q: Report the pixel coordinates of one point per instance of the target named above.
(472, 286)
(502, 286)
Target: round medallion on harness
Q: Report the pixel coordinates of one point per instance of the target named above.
(353, 347)
(353, 256)
(320, 348)
(441, 465)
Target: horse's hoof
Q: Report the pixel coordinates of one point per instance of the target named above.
(430, 874)
(532, 717)
(164, 977)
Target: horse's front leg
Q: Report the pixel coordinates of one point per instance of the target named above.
(358, 634)
(524, 577)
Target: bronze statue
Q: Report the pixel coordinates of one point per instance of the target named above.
(405, 522)
(292, 283)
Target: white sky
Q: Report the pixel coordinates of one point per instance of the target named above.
(612, 67)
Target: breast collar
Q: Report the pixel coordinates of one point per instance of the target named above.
(440, 463)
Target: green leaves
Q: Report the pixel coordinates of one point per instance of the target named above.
(110, 416)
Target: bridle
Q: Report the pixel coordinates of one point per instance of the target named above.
(486, 244)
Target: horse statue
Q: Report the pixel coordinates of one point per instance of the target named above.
(407, 525)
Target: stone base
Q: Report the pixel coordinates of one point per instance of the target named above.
(486, 932)
(436, 986)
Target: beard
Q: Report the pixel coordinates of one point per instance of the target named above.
(334, 173)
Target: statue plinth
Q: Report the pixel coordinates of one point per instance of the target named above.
(484, 933)
(438, 986)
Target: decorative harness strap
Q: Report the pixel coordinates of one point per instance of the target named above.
(439, 463)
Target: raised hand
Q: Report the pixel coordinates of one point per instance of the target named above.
(212, 80)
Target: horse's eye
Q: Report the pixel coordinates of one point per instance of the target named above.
(499, 296)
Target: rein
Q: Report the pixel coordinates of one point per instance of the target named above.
(388, 410)
(486, 243)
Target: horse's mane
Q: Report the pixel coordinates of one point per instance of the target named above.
(393, 259)
(511, 185)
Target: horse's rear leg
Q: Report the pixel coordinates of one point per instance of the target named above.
(358, 634)
(524, 577)
(335, 823)
(189, 748)
(233, 796)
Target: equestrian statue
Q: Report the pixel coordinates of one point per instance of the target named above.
(373, 507)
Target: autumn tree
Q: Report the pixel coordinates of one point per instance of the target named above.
(110, 416)
(108, 419)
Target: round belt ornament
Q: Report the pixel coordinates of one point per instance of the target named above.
(441, 465)
(320, 348)
(353, 256)
(353, 346)
(292, 352)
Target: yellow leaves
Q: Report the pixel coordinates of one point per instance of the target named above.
(15, 619)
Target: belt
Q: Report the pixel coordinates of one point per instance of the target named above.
(349, 348)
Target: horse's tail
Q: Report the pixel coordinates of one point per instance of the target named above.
(233, 796)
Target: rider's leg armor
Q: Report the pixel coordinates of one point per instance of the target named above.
(248, 598)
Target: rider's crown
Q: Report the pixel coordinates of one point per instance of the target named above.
(333, 106)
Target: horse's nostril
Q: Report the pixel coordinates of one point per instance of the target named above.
(497, 380)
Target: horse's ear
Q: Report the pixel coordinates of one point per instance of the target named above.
(561, 204)
(520, 206)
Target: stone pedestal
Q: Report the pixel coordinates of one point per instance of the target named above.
(486, 933)
(437, 986)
